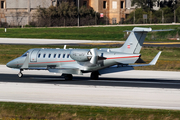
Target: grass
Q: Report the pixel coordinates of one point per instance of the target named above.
(169, 59)
(87, 33)
(17, 111)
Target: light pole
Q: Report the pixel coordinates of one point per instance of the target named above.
(134, 16)
(162, 16)
(78, 13)
(150, 17)
(174, 16)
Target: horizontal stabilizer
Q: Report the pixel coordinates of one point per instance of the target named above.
(139, 29)
(153, 62)
(162, 30)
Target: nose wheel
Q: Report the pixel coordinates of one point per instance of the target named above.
(20, 74)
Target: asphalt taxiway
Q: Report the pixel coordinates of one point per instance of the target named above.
(136, 88)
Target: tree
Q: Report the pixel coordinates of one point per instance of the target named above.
(168, 3)
(88, 16)
(146, 5)
(65, 13)
(66, 9)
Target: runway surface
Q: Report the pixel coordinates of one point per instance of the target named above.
(25, 41)
(141, 89)
(47, 41)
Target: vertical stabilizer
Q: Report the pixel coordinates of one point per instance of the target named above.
(135, 41)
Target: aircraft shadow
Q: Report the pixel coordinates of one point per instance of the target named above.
(102, 81)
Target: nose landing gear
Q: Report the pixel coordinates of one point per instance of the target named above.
(20, 74)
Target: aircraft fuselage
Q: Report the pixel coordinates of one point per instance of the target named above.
(61, 58)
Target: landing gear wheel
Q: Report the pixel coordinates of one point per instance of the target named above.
(20, 75)
(67, 76)
(95, 75)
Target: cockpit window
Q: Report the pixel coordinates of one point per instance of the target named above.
(25, 54)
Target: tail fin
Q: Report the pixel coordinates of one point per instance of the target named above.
(135, 41)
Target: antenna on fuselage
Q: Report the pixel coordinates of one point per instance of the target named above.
(64, 46)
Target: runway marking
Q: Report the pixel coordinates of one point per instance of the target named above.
(135, 82)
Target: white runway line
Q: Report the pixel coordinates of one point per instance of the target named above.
(47, 41)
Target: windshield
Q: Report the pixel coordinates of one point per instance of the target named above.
(25, 54)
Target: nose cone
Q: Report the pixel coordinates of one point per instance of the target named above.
(10, 64)
(16, 63)
(13, 63)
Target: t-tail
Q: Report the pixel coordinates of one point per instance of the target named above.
(135, 41)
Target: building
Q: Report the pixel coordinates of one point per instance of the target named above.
(112, 10)
(21, 12)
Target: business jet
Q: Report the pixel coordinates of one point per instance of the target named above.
(80, 61)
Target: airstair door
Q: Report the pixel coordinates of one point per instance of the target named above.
(34, 55)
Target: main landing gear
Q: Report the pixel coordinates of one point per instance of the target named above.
(94, 75)
(67, 76)
(20, 74)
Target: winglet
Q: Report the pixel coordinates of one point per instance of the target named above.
(153, 62)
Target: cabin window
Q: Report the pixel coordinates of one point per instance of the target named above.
(104, 4)
(64, 55)
(54, 55)
(68, 56)
(59, 55)
(49, 55)
(44, 55)
(39, 55)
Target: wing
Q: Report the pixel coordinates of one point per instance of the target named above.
(121, 67)
(66, 71)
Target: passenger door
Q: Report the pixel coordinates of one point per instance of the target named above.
(34, 55)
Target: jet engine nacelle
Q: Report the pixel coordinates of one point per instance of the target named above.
(80, 55)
